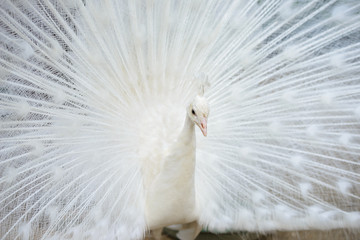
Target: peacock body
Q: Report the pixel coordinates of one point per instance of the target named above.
(96, 141)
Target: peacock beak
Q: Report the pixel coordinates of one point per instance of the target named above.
(203, 126)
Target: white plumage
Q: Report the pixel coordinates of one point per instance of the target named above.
(97, 139)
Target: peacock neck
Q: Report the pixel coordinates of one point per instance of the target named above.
(182, 157)
(188, 131)
(170, 195)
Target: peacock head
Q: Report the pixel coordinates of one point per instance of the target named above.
(198, 110)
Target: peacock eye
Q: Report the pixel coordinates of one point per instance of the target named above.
(193, 112)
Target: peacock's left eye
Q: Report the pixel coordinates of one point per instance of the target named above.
(193, 112)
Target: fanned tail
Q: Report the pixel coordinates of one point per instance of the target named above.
(284, 132)
(78, 79)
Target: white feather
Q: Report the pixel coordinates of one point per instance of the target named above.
(93, 97)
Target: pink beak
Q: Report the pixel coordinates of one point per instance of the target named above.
(203, 126)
